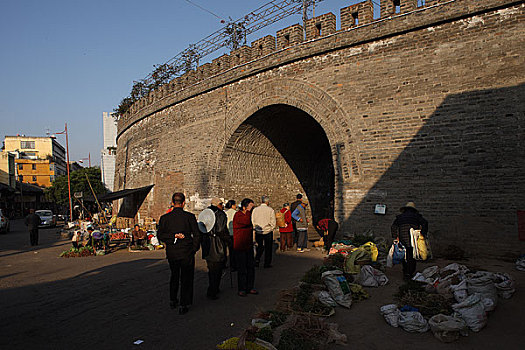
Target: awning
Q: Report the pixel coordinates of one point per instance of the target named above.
(6, 188)
(29, 189)
(133, 199)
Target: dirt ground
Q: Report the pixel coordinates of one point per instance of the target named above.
(108, 302)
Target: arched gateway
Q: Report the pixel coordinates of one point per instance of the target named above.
(283, 139)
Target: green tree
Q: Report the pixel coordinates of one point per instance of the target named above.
(58, 191)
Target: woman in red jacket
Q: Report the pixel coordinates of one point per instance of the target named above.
(243, 248)
(286, 231)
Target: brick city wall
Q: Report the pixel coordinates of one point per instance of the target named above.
(426, 104)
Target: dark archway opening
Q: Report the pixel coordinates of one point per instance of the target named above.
(280, 150)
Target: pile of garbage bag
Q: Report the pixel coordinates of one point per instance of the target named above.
(471, 295)
(370, 253)
(520, 263)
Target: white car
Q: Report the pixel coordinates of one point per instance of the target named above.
(46, 217)
(4, 222)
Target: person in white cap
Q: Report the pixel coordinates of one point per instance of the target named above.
(409, 218)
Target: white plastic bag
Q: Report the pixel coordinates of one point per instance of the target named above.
(325, 298)
(333, 281)
(460, 291)
(472, 312)
(520, 263)
(154, 241)
(430, 272)
(482, 282)
(390, 257)
(419, 277)
(391, 314)
(447, 328)
(455, 267)
(412, 321)
(504, 285)
(370, 277)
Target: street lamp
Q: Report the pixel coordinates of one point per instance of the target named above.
(68, 178)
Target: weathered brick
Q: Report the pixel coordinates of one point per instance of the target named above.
(427, 106)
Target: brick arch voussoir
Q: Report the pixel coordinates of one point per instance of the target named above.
(304, 96)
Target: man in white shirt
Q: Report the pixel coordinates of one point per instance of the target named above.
(263, 220)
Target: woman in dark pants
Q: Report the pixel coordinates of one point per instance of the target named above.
(243, 248)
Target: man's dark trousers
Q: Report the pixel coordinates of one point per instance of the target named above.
(183, 270)
(214, 276)
(33, 236)
(264, 244)
(409, 266)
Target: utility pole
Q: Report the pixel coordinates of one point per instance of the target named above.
(68, 177)
(305, 17)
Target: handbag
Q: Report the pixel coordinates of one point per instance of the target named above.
(217, 252)
(399, 252)
(419, 244)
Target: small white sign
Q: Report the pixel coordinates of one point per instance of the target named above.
(380, 209)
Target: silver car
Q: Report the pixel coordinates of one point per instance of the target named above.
(4, 222)
(46, 217)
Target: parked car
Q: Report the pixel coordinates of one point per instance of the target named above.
(47, 218)
(4, 222)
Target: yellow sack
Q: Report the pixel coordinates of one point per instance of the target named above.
(422, 247)
(373, 249)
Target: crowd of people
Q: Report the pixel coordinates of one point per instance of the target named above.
(243, 232)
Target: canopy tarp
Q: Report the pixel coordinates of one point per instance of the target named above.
(133, 199)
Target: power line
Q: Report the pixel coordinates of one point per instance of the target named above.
(202, 8)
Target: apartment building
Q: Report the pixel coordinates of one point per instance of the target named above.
(38, 159)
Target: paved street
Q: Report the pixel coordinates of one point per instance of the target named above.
(110, 301)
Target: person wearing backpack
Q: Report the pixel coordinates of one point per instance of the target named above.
(214, 245)
(284, 221)
(301, 222)
(293, 206)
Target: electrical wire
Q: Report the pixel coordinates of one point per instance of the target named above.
(202, 8)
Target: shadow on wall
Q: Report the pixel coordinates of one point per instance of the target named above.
(465, 170)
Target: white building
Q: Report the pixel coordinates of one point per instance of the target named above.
(109, 153)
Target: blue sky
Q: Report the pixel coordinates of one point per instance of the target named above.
(69, 60)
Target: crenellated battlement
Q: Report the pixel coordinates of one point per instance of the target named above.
(292, 43)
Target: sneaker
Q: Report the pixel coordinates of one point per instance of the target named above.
(300, 250)
(241, 294)
(306, 249)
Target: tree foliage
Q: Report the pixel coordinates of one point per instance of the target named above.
(58, 191)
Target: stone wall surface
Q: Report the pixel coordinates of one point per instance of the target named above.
(425, 105)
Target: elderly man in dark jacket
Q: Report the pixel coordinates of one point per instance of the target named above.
(219, 236)
(409, 218)
(32, 222)
(179, 231)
